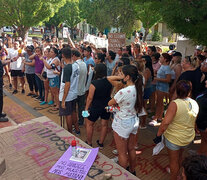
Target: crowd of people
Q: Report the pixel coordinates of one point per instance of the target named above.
(85, 83)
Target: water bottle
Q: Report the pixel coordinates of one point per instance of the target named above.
(73, 144)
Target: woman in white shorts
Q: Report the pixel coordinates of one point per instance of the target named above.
(126, 122)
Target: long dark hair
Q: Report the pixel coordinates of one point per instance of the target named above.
(100, 71)
(137, 80)
(148, 65)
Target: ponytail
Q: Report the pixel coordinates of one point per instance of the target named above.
(132, 71)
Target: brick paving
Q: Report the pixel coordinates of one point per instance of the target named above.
(147, 166)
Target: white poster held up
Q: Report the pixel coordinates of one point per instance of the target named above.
(65, 32)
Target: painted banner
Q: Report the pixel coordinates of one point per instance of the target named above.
(77, 166)
(116, 41)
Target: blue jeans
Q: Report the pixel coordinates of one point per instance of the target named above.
(40, 86)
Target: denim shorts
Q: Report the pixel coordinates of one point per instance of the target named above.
(54, 82)
(125, 127)
(174, 147)
(163, 87)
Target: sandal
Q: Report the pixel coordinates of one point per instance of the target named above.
(88, 144)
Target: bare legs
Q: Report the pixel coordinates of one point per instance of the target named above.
(90, 128)
(175, 158)
(125, 146)
(159, 105)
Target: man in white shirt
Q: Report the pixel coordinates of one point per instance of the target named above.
(69, 90)
(16, 66)
(81, 84)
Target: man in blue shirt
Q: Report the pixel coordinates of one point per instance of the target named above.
(88, 59)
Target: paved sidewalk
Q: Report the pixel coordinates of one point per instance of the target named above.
(148, 167)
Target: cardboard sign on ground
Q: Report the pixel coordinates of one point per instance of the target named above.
(116, 41)
(31, 149)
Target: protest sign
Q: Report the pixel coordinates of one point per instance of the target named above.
(116, 41)
(65, 32)
(97, 41)
(77, 166)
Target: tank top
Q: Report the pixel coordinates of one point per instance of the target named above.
(50, 73)
(181, 130)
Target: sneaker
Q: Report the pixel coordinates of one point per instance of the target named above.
(2, 115)
(23, 91)
(154, 123)
(134, 173)
(30, 94)
(15, 92)
(43, 103)
(77, 133)
(38, 98)
(115, 152)
(10, 86)
(115, 159)
(51, 102)
(99, 144)
(34, 96)
(4, 119)
(88, 144)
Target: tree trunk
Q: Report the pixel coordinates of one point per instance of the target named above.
(145, 34)
(57, 30)
(22, 32)
(72, 34)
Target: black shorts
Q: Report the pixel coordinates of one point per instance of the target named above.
(96, 113)
(17, 73)
(70, 106)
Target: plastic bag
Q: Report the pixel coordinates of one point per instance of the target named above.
(158, 147)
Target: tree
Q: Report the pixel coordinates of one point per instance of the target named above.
(23, 14)
(148, 15)
(109, 13)
(70, 14)
(94, 12)
(187, 17)
(55, 21)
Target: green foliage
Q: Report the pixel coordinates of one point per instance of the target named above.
(109, 13)
(156, 36)
(70, 13)
(94, 12)
(23, 14)
(148, 15)
(187, 17)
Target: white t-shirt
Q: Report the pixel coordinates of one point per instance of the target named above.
(16, 65)
(82, 77)
(126, 99)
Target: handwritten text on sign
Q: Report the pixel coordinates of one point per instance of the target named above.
(116, 41)
(67, 167)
